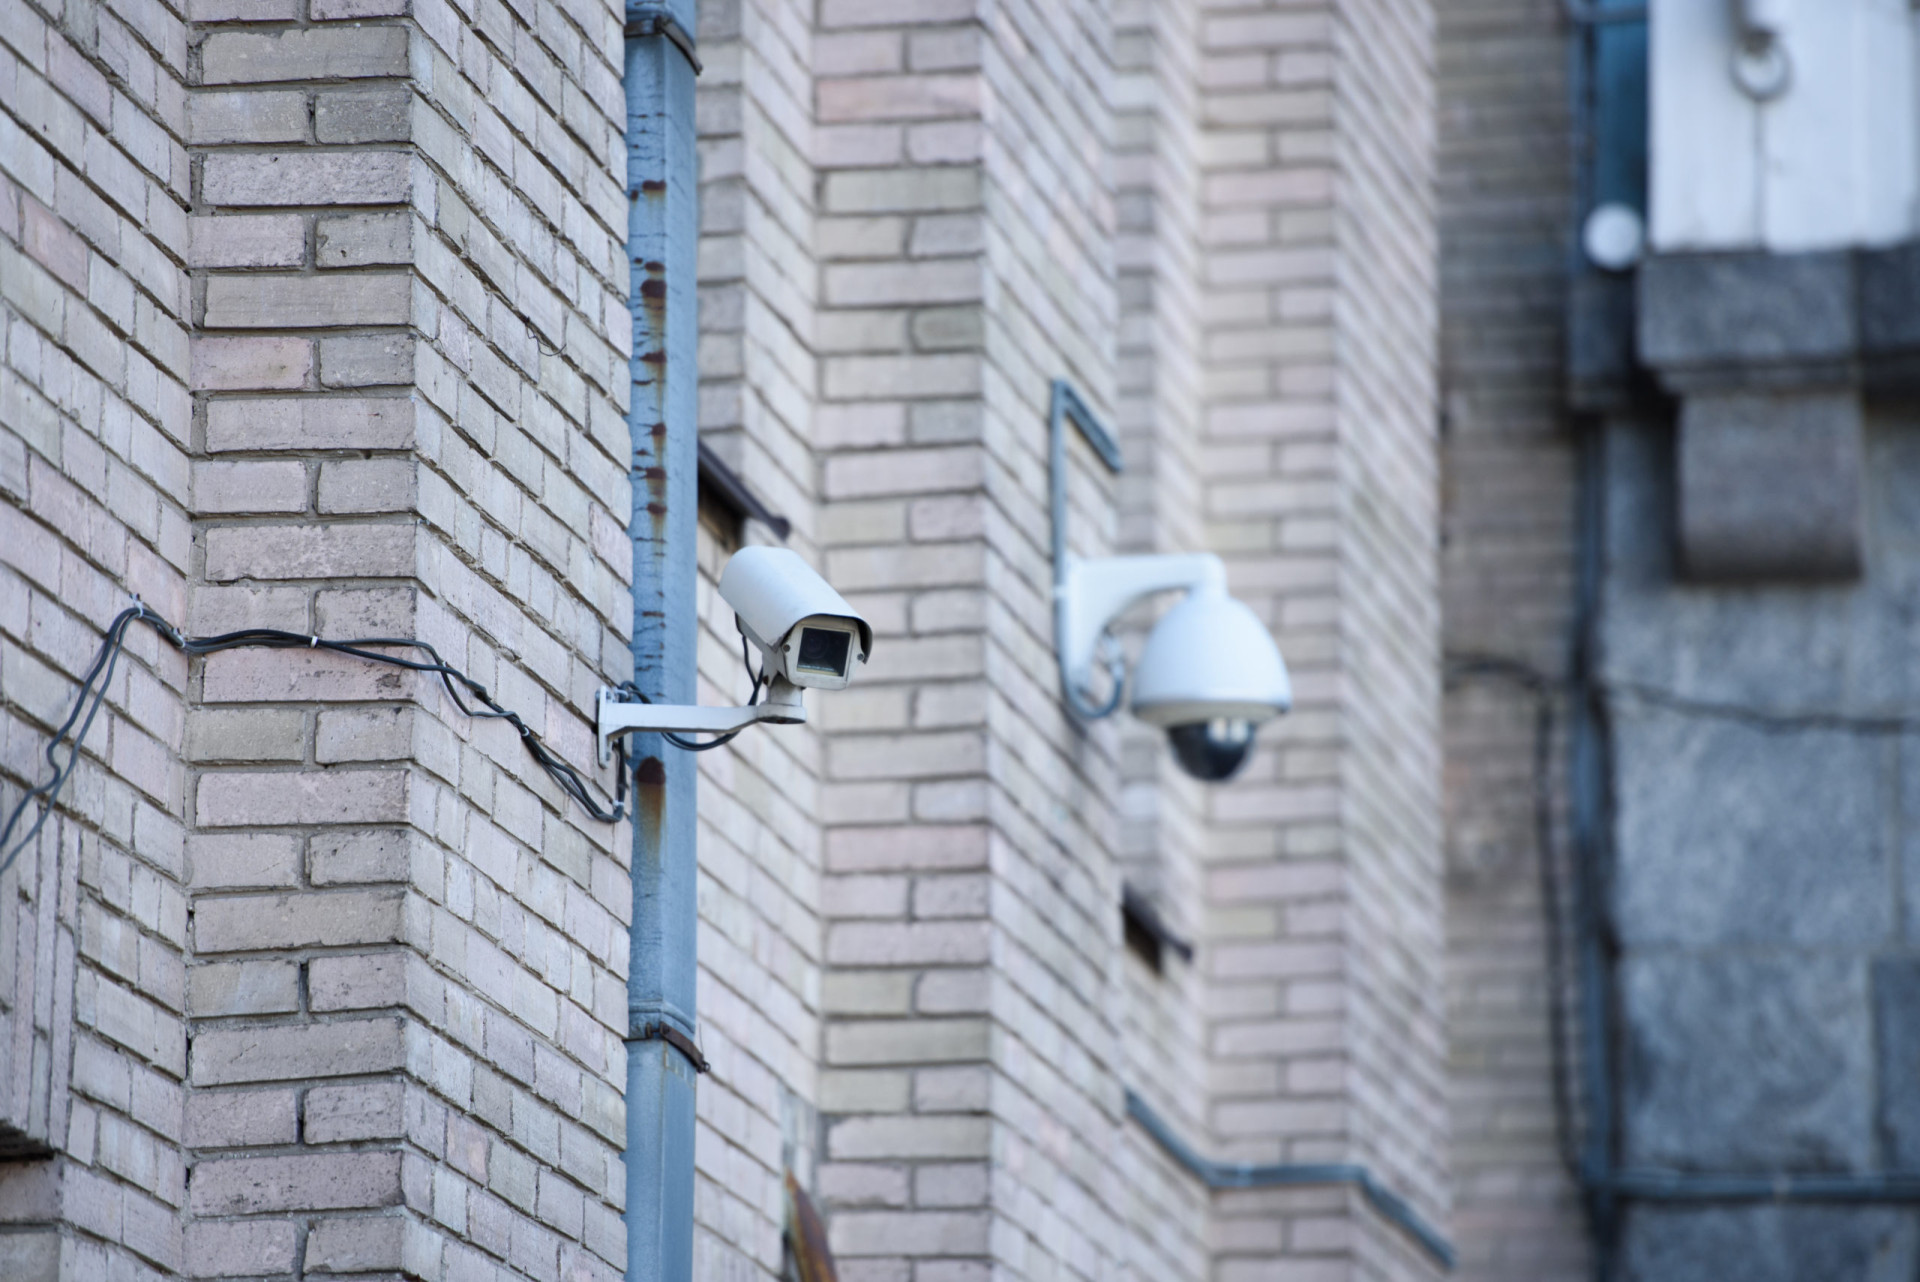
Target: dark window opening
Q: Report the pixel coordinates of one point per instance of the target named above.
(1147, 934)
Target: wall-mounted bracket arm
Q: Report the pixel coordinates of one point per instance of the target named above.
(783, 706)
(1090, 594)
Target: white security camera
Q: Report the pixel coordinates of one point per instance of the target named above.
(1210, 673)
(807, 635)
(806, 632)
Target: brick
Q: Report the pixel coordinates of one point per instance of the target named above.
(363, 240)
(380, 115)
(310, 552)
(366, 360)
(333, 423)
(244, 10)
(307, 178)
(339, 10)
(220, 1250)
(236, 860)
(232, 1119)
(253, 734)
(359, 1245)
(920, 1233)
(309, 54)
(279, 486)
(898, 97)
(31, 1256)
(243, 988)
(366, 982)
(368, 485)
(906, 1041)
(901, 190)
(241, 364)
(223, 1056)
(357, 857)
(307, 302)
(277, 116)
(306, 1182)
(362, 1111)
(247, 240)
(908, 1137)
(321, 919)
(231, 799)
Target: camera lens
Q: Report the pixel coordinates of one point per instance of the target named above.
(824, 650)
(1212, 750)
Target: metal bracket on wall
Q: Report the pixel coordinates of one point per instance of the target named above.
(658, 22)
(678, 1040)
(1249, 1175)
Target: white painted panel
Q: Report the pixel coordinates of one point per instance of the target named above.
(1704, 143)
(1889, 151)
(1810, 136)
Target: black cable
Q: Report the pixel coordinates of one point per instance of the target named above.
(633, 692)
(101, 670)
(1543, 689)
(454, 680)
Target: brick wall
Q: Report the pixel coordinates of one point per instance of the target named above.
(408, 992)
(1320, 489)
(95, 429)
(904, 1084)
(399, 953)
(1508, 459)
(760, 849)
(1156, 417)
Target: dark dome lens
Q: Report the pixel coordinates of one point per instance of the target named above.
(1213, 750)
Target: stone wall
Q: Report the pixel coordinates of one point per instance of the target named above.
(1763, 876)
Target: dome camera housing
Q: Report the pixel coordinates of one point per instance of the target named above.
(1209, 676)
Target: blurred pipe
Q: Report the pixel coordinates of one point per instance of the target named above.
(1588, 14)
(1249, 1175)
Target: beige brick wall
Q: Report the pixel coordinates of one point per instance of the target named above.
(95, 428)
(1156, 416)
(1508, 462)
(401, 254)
(408, 986)
(905, 1078)
(1320, 491)
(760, 849)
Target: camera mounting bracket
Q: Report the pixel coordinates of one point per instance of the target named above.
(613, 715)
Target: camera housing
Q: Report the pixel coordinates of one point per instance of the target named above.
(806, 632)
(808, 638)
(1209, 676)
(1210, 673)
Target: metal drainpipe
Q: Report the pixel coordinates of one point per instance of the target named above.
(662, 239)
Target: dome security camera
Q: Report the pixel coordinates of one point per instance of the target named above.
(1210, 673)
(808, 638)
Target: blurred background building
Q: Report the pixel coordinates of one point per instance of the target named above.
(1540, 369)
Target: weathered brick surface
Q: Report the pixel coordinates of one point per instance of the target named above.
(452, 1042)
(361, 369)
(1319, 481)
(760, 938)
(95, 426)
(1505, 201)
